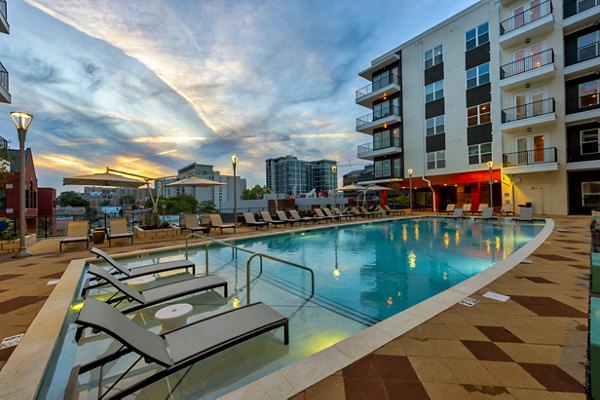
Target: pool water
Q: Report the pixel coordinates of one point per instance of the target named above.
(364, 273)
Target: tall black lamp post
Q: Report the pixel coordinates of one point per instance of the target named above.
(410, 172)
(234, 160)
(22, 121)
(490, 165)
(333, 181)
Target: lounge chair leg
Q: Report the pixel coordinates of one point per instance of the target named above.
(286, 334)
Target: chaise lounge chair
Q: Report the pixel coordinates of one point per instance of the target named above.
(525, 214)
(297, 217)
(487, 213)
(217, 222)
(173, 350)
(77, 231)
(346, 214)
(449, 209)
(328, 213)
(321, 216)
(456, 214)
(283, 217)
(266, 216)
(466, 208)
(250, 221)
(480, 208)
(393, 212)
(191, 224)
(118, 230)
(157, 294)
(142, 270)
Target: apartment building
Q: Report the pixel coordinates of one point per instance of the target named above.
(4, 28)
(292, 176)
(498, 104)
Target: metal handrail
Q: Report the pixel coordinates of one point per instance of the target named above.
(385, 112)
(576, 55)
(575, 7)
(529, 157)
(254, 254)
(3, 9)
(4, 77)
(378, 145)
(529, 110)
(525, 17)
(526, 64)
(388, 80)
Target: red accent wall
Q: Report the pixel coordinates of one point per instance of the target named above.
(47, 202)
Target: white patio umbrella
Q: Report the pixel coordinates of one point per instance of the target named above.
(103, 179)
(353, 187)
(194, 181)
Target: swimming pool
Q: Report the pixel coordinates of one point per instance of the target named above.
(364, 274)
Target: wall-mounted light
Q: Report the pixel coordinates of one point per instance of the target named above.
(527, 40)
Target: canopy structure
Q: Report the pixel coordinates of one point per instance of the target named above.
(378, 188)
(194, 181)
(353, 187)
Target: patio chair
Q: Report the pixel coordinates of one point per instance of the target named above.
(346, 214)
(321, 216)
(369, 214)
(480, 209)
(157, 294)
(250, 221)
(118, 230)
(172, 350)
(283, 217)
(393, 212)
(457, 213)
(191, 224)
(217, 222)
(466, 208)
(77, 231)
(487, 213)
(266, 216)
(449, 209)
(525, 214)
(296, 216)
(329, 214)
(506, 209)
(142, 270)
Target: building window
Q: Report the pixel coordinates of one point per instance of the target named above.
(590, 194)
(433, 57)
(478, 115)
(381, 140)
(478, 75)
(480, 153)
(434, 126)
(590, 141)
(396, 167)
(383, 168)
(477, 36)
(436, 159)
(587, 46)
(588, 94)
(434, 91)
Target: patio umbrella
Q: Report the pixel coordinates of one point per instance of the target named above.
(375, 188)
(194, 181)
(353, 187)
(103, 179)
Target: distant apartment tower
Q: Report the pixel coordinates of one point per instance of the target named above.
(4, 28)
(505, 96)
(292, 176)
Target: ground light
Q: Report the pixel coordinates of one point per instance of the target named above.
(22, 121)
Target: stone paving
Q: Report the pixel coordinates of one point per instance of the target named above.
(531, 347)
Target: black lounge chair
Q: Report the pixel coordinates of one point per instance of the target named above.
(173, 350)
(266, 216)
(191, 224)
(217, 222)
(347, 214)
(157, 294)
(250, 221)
(147, 269)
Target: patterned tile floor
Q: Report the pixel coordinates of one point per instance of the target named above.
(531, 347)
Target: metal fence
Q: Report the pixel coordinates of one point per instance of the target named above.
(526, 64)
(529, 157)
(526, 17)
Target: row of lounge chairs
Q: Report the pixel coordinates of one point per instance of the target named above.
(172, 350)
(79, 231)
(487, 213)
(505, 210)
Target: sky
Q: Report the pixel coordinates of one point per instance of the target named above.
(150, 86)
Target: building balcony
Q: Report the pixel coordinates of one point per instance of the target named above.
(4, 26)
(537, 113)
(380, 119)
(385, 87)
(583, 109)
(530, 69)
(378, 64)
(522, 162)
(4, 90)
(369, 151)
(580, 61)
(526, 24)
(506, 3)
(578, 14)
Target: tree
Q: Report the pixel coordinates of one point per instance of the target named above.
(183, 203)
(207, 207)
(256, 193)
(104, 203)
(73, 199)
(127, 199)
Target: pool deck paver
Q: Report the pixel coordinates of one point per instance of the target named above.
(531, 347)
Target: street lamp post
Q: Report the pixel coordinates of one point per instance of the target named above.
(410, 172)
(490, 165)
(234, 160)
(22, 121)
(333, 179)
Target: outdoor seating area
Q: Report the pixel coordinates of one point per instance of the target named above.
(77, 232)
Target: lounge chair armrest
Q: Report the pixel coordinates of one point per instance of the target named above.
(72, 382)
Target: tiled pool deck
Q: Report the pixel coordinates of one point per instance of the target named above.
(531, 347)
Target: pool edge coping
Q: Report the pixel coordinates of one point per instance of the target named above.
(21, 376)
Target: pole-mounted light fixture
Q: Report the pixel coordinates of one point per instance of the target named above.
(333, 179)
(234, 160)
(22, 120)
(490, 165)
(410, 172)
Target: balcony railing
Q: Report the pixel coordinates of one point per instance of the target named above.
(571, 8)
(583, 53)
(380, 83)
(526, 17)
(583, 103)
(528, 110)
(4, 77)
(529, 157)
(384, 112)
(3, 9)
(526, 64)
(377, 145)
(584, 152)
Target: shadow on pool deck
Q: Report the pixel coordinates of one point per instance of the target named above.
(533, 346)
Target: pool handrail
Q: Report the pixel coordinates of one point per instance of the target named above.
(248, 263)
